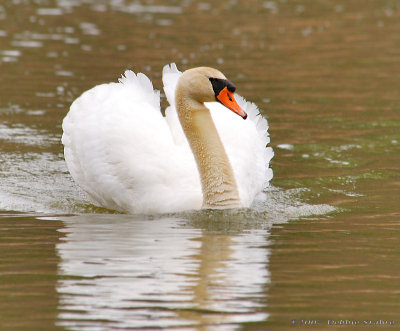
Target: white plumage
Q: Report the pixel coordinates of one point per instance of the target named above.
(126, 156)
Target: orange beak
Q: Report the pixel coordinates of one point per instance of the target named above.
(227, 99)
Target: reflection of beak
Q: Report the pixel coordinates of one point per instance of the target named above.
(227, 99)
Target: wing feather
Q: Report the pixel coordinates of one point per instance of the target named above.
(119, 149)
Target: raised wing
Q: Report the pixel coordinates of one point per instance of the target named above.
(119, 148)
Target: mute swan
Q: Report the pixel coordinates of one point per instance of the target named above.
(126, 156)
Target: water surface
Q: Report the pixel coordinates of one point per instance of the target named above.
(322, 248)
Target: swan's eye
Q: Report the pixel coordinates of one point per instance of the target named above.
(219, 84)
(230, 86)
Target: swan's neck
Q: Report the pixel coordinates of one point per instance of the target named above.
(216, 174)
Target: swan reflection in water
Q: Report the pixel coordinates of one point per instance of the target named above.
(118, 271)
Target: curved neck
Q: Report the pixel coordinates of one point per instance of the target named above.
(216, 174)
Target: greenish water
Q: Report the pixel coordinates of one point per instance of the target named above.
(322, 250)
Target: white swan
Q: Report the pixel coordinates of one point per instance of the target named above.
(126, 156)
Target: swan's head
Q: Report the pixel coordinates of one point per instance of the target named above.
(206, 84)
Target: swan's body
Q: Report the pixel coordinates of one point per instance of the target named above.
(126, 156)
